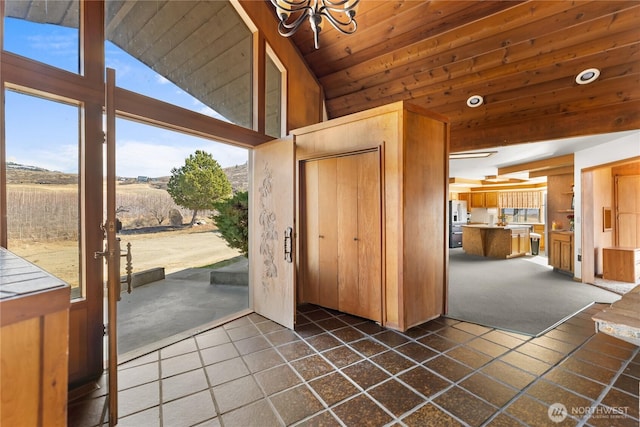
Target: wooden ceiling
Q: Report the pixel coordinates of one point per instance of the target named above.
(521, 56)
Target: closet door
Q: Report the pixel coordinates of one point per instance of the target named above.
(359, 235)
(327, 233)
(369, 236)
(347, 209)
(320, 270)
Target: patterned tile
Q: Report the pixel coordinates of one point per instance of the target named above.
(443, 372)
(354, 411)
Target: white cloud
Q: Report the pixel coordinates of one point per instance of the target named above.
(135, 158)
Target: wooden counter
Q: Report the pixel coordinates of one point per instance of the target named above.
(34, 336)
(495, 241)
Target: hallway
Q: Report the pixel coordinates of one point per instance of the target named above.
(336, 369)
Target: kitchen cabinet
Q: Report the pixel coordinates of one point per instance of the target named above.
(411, 148)
(342, 233)
(487, 199)
(539, 228)
(34, 338)
(491, 199)
(495, 241)
(621, 264)
(476, 200)
(465, 197)
(561, 250)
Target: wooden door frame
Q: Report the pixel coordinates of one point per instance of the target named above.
(587, 274)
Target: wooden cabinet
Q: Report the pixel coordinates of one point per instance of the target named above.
(342, 233)
(476, 200)
(34, 337)
(412, 147)
(621, 264)
(465, 197)
(520, 242)
(539, 228)
(491, 199)
(488, 199)
(561, 250)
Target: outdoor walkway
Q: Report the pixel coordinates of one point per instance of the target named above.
(158, 311)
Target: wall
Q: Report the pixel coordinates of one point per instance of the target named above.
(623, 145)
(602, 196)
(304, 93)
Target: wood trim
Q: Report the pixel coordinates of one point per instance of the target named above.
(159, 113)
(551, 172)
(613, 164)
(551, 163)
(56, 83)
(259, 83)
(40, 304)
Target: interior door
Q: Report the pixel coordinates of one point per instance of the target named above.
(271, 227)
(628, 210)
(369, 236)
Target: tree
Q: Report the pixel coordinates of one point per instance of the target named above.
(199, 184)
(232, 220)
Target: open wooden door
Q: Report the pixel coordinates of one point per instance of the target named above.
(271, 231)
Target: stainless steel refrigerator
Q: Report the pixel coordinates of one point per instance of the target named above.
(457, 217)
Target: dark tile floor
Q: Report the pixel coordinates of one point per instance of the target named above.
(339, 370)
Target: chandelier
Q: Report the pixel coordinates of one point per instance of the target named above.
(292, 13)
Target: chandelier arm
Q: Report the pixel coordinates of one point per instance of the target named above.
(292, 5)
(338, 5)
(340, 25)
(288, 29)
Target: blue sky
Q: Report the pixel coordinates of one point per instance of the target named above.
(42, 133)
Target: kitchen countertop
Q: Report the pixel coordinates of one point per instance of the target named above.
(509, 226)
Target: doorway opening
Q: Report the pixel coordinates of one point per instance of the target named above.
(176, 254)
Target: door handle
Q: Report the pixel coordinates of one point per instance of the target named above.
(288, 245)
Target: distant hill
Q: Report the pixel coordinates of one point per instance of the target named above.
(24, 174)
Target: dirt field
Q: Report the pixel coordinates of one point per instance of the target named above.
(173, 250)
(177, 250)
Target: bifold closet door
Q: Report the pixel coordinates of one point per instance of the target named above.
(359, 235)
(320, 269)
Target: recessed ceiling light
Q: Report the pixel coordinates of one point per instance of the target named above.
(475, 155)
(587, 76)
(475, 101)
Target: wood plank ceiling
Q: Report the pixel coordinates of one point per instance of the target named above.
(522, 57)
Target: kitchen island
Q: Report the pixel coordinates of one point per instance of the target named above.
(496, 241)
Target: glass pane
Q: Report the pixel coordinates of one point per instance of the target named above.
(273, 87)
(45, 31)
(202, 63)
(162, 239)
(43, 189)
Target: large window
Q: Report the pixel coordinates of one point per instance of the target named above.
(206, 55)
(521, 215)
(45, 31)
(43, 188)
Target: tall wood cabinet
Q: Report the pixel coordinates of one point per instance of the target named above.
(342, 233)
(387, 263)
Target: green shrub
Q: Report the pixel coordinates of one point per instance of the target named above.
(232, 220)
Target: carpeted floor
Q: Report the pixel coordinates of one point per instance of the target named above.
(516, 294)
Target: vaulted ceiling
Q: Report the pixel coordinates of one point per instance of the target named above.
(522, 57)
